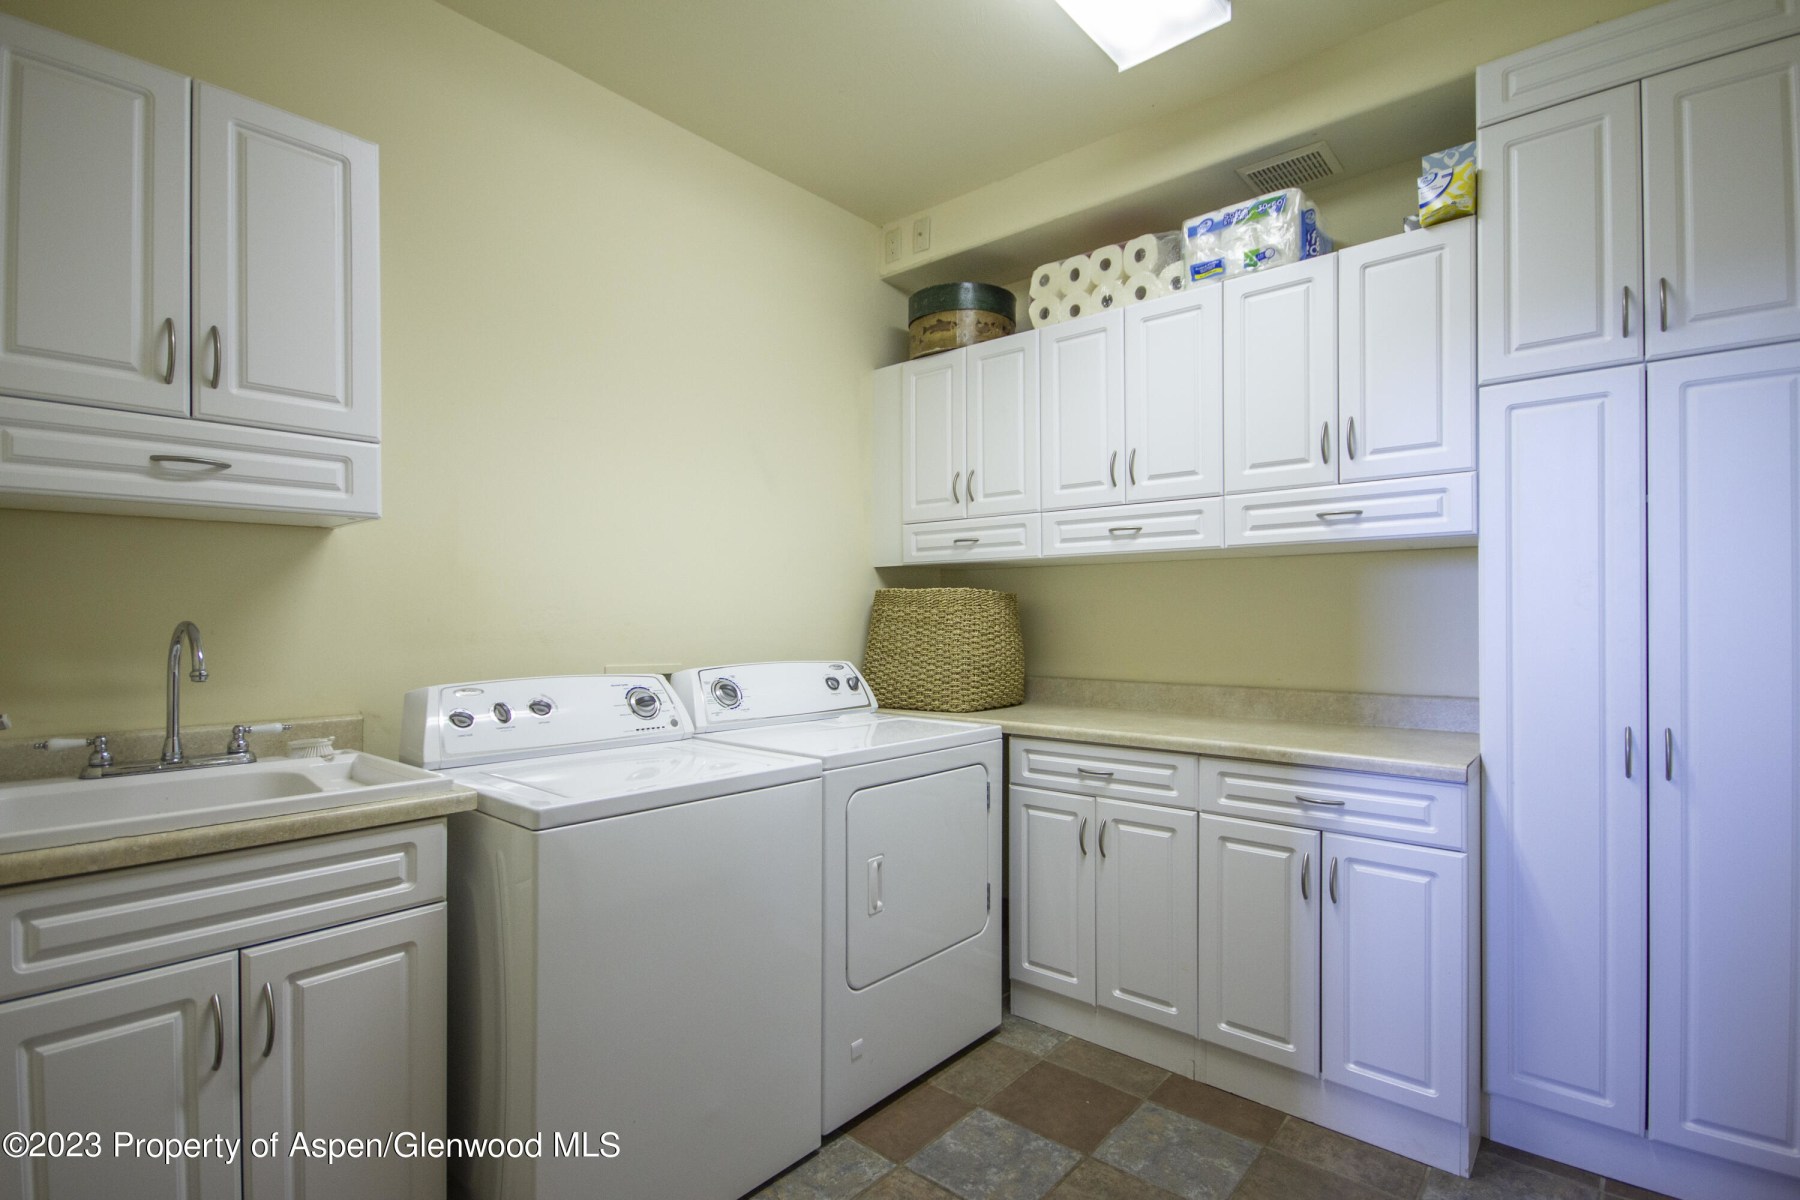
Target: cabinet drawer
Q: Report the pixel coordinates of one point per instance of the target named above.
(96, 926)
(1381, 806)
(972, 540)
(65, 456)
(1428, 506)
(1130, 528)
(1121, 772)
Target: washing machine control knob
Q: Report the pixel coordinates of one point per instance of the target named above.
(462, 719)
(831, 681)
(727, 693)
(643, 702)
(541, 707)
(503, 712)
(855, 683)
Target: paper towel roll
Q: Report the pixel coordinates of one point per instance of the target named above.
(1047, 280)
(1108, 263)
(1151, 252)
(1077, 275)
(1107, 294)
(1144, 286)
(1077, 305)
(1174, 276)
(1045, 310)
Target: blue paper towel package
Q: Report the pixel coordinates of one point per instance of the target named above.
(1269, 231)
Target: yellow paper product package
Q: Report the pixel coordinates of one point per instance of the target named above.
(1447, 184)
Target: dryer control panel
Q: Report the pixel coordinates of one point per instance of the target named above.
(747, 694)
(493, 720)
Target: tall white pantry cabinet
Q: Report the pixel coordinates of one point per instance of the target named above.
(1640, 598)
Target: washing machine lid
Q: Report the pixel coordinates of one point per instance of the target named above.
(856, 738)
(568, 789)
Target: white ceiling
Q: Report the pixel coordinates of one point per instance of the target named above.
(886, 107)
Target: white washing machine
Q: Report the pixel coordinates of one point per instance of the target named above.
(913, 966)
(635, 941)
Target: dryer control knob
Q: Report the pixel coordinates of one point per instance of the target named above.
(541, 707)
(503, 712)
(855, 683)
(643, 702)
(727, 694)
(831, 681)
(461, 719)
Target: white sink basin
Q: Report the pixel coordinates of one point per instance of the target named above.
(64, 812)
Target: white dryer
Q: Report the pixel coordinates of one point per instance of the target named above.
(913, 960)
(634, 942)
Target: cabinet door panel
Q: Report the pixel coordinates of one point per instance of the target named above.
(1174, 381)
(1725, 802)
(1562, 705)
(1394, 1020)
(1722, 201)
(1259, 940)
(1560, 239)
(344, 1037)
(1406, 354)
(1081, 378)
(931, 437)
(1052, 891)
(1002, 426)
(1144, 913)
(286, 271)
(130, 1055)
(1281, 377)
(93, 224)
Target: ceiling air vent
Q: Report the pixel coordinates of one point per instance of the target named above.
(1292, 168)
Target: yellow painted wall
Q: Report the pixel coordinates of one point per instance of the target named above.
(598, 449)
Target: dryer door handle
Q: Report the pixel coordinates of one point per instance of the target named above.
(875, 904)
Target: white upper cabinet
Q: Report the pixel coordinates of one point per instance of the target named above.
(1082, 380)
(1144, 912)
(286, 271)
(1001, 433)
(94, 202)
(1281, 377)
(1406, 354)
(1724, 464)
(932, 404)
(1564, 747)
(1561, 239)
(1174, 381)
(1722, 201)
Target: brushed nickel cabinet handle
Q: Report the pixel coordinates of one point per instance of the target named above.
(1662, 300)
(1131, 467)
(218, 1016)
(1628, 752)
(1103, 826)
(1325, 441)
(169, 336)
(965, 541)
(969, 490)
(1326, 803)
(1350, 437)
(1081, 837)
(1668, 754)
(955, 486)
(1334, 881)
(269, 1038)
(1339, 513)
(1112, 468)
(188, 460)
(1125, 530)
(1625, 311)
(1096, 771)
(1306, 876)
(218, 357)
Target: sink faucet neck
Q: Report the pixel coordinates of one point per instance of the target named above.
(171, 751)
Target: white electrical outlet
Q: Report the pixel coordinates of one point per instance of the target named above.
(921, 235)
(890, 245)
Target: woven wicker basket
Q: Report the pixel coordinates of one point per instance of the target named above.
(945, 649)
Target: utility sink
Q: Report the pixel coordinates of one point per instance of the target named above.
(64, 812)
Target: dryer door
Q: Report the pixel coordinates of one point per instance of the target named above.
(916, 870)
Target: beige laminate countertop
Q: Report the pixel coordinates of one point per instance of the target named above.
(85, 858)
(1412, 753)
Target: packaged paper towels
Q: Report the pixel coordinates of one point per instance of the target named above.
(1047, 280)
(1174, 276)
(1447, 184)
(1152, 252)
(1106, 294)
(1077, 305)
(1145, 285)
(1108, 264)
(1269, 231)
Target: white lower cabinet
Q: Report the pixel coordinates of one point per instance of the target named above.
(333, 1033)
(1052, 888)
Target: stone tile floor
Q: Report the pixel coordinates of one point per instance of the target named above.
(1030, 1112)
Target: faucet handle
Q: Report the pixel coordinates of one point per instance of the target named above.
(101, 757)
(240, 733)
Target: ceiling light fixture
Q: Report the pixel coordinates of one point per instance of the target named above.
(1135, 31)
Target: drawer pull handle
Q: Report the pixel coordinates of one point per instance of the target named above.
(269, 1038)
(1340, 514)
(218, 357)
(188, 460)
(1125, 530)
(1081, 837)
(169, 333)
(1095, 771)
(1103, 826)
(966, 541)
(218, 1016)
(1311, 800)
(1306, 876)
(1334, 881)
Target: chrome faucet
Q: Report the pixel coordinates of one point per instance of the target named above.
(171, 750)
